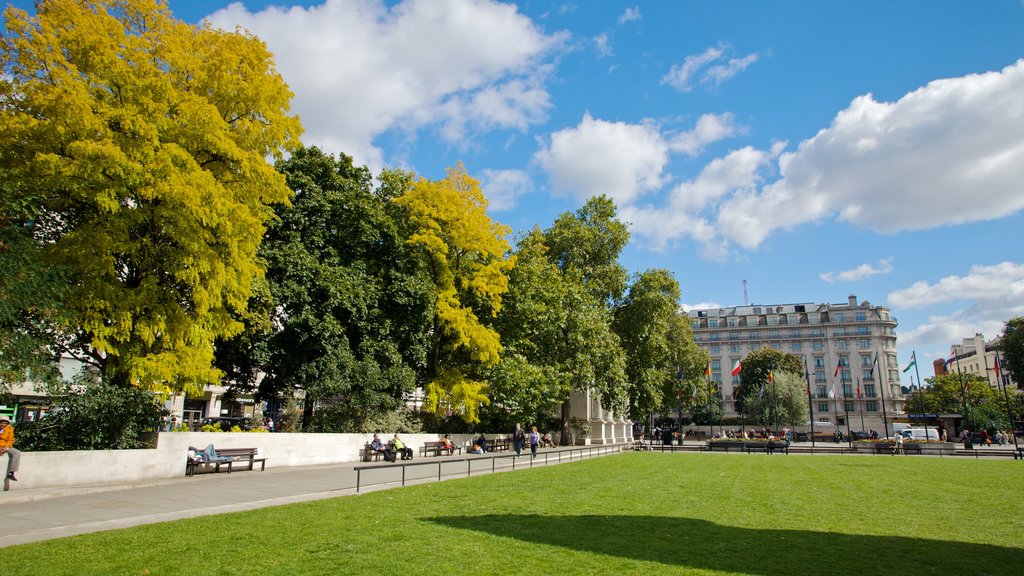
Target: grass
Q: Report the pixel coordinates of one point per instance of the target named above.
(636, 513)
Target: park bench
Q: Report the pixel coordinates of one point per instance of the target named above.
(229, 456)
(371, 455)
(438, 448)
(726, 445)
(908, 447)
(763, 447)
(498, 445)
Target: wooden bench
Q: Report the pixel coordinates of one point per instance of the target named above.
(725, 445)
(437, 448)
(232, 455)
(763, 447)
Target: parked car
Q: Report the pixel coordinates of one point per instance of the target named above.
(228, 422)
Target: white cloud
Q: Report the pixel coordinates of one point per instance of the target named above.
(503, 188)
(983, 299)
(948, 153)
(1002, 282)
(617, 159)
(630, 14)
(603, 48)
(710, 128)
(681, 76)
(359, 68)
(701, 306)
(719, 73)
(858, 273)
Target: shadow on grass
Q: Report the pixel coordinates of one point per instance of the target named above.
(700, 544)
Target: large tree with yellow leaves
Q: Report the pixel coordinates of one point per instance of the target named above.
(133, 155)
(467, 257)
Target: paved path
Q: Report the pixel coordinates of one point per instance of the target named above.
(35, 515)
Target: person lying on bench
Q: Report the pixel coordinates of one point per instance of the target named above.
(208, 454)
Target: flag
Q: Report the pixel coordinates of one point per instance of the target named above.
(832, 392)
(913, 362)
(858, 389)
(839, 364)
(952, 359)
(996, 368)
(771, 377)
(737, 368)
(707, 369)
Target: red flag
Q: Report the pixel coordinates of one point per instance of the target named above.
(839, 365)
(707, 370)
(737, 368)
(858, 390)
(771, 377)
(997, 368)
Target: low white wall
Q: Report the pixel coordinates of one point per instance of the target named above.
(167, 460)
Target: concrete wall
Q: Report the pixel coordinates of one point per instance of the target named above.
(167, 460)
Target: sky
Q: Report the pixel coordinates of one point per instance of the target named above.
(812, 149)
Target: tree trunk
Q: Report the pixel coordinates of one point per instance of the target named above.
(565, 440)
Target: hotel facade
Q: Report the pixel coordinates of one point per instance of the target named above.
(848, 348)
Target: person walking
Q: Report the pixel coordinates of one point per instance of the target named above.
(7, 447)
(534, 441)
(897, 448)
(518, 438)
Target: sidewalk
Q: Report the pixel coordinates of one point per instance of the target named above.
(35, 515)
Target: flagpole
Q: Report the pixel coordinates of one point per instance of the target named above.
(999, 381)
(846, 409)
(881, 389)
(861, 406)
(920, 393)
(810, 403)
(963, 387)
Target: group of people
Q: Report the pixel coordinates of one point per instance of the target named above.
(394, 447)
(519, 438)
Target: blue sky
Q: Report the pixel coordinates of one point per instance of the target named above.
(813, 149)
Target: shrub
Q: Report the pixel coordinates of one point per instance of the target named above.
(92, 416)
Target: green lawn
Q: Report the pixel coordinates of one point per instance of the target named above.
(636, 513)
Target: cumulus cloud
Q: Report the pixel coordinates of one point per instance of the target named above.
(710, 128)
(983, 299)
(604, 49)
(859, 273)
(948, 153)
(503, 188)
(711, 66)
(629, 15)
(701, 306)
(360, 68)
(617, 159)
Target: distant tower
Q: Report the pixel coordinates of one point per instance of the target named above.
(745, 303)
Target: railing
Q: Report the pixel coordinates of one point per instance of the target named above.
(470, 461)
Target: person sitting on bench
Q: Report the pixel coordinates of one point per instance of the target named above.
(378, 446)
(402, 449)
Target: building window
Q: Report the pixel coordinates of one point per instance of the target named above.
(813, 317)
(773, 320)
(864, 344)
(716, 365)
(819, 361)
(712, 323)
(847, 390)
(822, 406)
(872, 406)
(734, 347)
(731, 322)
(715, 349)
(865, 361)
(848, 406)
(838, 317)
(734, 336)
(795, 346)
(861, 316)
(817, 346)
(822, 392)
(819, 376)
(869, 390)
(715, 335)
(863, 331)
(841, 331)
(695, 324)
(846, 375)
(841, 345)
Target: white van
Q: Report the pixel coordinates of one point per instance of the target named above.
(920, 434)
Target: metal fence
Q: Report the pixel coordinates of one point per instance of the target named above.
(423, 470)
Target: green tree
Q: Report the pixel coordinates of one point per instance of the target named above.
(135, 147)
(589, 242)
(350, 299)
(754, 378)
(783, 400)
(661, 358)
(945, 394)
(1011, 346)
(466, 255)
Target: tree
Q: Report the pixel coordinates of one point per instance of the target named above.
(135, 147)
(349, 298)
(783, 400)
(589, 242)
(466, 257)
(755, 376)
(1011, 346)
(657, 343)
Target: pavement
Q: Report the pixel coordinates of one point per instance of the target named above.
(35, 515)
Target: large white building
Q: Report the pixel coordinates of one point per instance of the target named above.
(977, 357)
(839, 342)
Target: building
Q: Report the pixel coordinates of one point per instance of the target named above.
(839, 342)
(977, 357)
